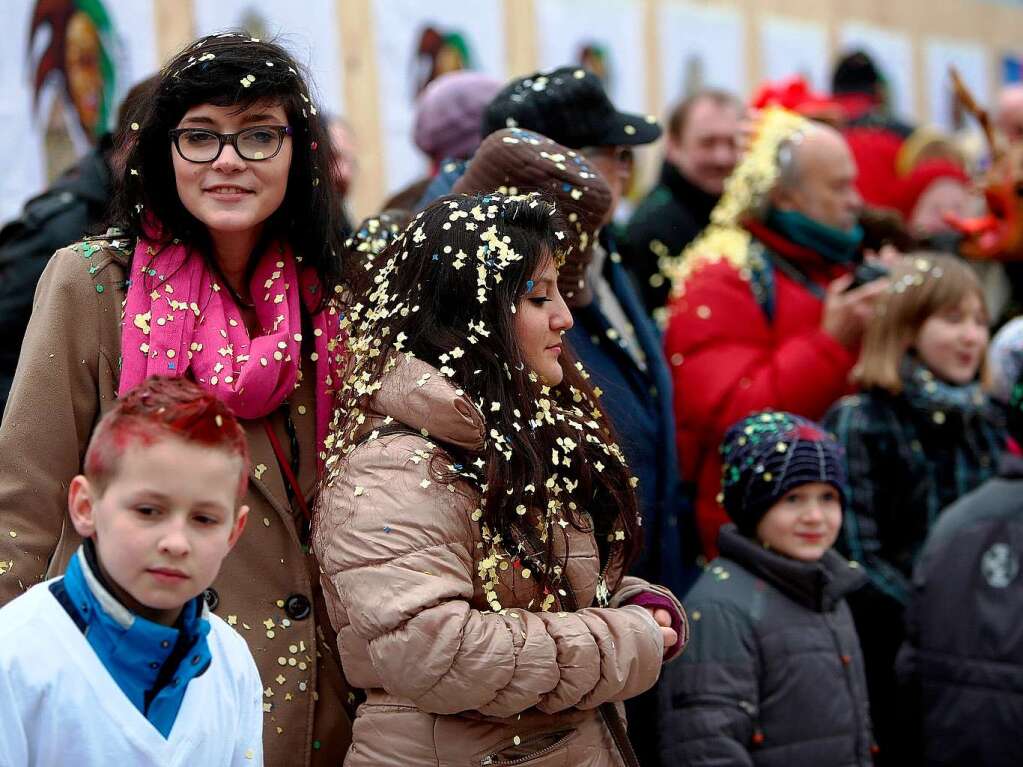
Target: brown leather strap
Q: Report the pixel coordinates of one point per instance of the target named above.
(621, 737)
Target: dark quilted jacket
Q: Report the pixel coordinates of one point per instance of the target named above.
(963, 677)
(773, 674)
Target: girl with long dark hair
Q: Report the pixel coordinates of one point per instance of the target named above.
(222, 268)
(478, 517)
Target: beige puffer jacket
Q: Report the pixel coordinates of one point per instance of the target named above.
(449, 681)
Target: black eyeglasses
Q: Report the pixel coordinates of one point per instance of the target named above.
(261, 142)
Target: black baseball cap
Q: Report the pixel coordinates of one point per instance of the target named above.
(570, 106)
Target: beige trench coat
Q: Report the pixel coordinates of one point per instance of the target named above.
(267, 588)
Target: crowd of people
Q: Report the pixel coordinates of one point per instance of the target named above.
(497, 476)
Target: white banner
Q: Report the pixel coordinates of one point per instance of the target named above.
(605, 36)
(415, 42)
(64, 69)
(791, 47)
(309, 30)
(971, 62)
(700, 47)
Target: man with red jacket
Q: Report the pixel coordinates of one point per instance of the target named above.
(765, 315)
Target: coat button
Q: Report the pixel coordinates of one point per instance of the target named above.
(297, 607)
(212, 598)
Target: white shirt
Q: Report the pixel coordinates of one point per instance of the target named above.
(59, 706)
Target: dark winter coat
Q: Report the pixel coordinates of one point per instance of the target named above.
(909, 456)
(668, 219)
(773, 674)
(639, 402)
(74, 206)
(964, 677)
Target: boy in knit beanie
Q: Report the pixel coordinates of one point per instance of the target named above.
(773, 673)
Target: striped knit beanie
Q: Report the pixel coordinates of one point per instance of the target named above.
(766, 455)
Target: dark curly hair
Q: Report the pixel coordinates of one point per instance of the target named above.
(210, 71)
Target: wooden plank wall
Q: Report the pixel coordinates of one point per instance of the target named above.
(996, 26)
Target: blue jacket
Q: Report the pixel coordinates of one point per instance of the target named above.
(442, 184)
(640, 406)
(151, 663)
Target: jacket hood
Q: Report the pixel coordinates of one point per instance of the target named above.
(819, 585)
(417, 395)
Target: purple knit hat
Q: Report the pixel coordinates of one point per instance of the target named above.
(449, 113)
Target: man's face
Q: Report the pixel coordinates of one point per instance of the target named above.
(824, 188)
(615, 164)
(706, 151)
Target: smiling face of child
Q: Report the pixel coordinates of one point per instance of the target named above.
(804, 523)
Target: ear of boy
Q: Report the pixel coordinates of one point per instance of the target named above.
(240, 520)
(81, 496)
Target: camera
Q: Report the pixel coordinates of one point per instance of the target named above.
(867, 272)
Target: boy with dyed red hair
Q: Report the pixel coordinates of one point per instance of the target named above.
(119, 661)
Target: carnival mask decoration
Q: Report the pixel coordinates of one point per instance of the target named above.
(997, 235)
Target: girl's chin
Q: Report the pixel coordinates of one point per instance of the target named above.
(552, 377)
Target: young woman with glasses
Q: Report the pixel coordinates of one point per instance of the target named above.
(221, 267)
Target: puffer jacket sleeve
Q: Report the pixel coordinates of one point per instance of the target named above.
(633, 588)
(709, 699)
(397, 549)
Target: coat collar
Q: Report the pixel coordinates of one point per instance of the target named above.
(805, 260)
(419, 396)
(133, 649)
(819, 586)
(698, 202)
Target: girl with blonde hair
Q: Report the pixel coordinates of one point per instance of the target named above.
(921, 434)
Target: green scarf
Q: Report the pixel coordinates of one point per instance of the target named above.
(835, 245)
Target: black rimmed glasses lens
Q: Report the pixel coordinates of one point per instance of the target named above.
(261, 142)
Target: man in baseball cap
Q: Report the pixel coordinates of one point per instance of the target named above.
(570, 106)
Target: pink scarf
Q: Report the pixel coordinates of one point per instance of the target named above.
(179, 318)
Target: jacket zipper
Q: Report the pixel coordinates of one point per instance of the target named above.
(847, 672)
(493, 760)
